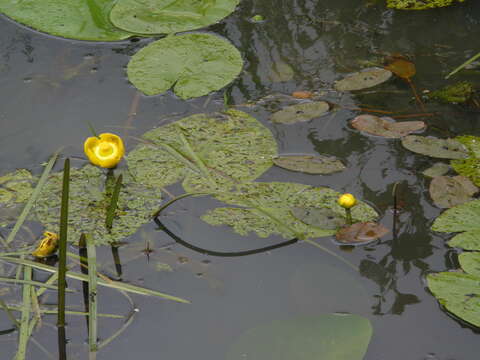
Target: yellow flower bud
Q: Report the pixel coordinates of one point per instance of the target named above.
(106, 150)
(48, 245)
(347, 201)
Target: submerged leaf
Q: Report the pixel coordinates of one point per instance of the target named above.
(361, 233)
(434, 147)
(469, 167)
(447, 191)
(325, 337)
(15, 189)
(166, 17)
(385, 126)
(281, 72)
(309, 164)
(73, 19)
(363, 79)
(457, 93)
(193, 64)
(300, 112)
(401, 67)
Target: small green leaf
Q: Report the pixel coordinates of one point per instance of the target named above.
(434, 147)
(309, 164)
(437, 169)
(363, 79)
(300, 112)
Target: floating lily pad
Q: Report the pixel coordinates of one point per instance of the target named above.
(361, 233)
(462, 217)
(73, 19)
(88, 205)
(434, 147)
(193, 64)
(266, 209)
(15, 189)
(447, 191)
(469, 240)
(437, 169)
(419, 4)
(470, 262)
(229, 148)
(325, 337)
(167, 16)
(469, 167)
(401, 67)
(457, 93)
(363, 79)
(319, 217)
(300, 112)
(385, 126)
(309, 164)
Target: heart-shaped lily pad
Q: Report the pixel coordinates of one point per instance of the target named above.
(385, 126)
(73, 19)
(363, 79)
(300, 112)
(169, 16)
(193, 64)
(434, 147)
(447, 191)
(319, 164)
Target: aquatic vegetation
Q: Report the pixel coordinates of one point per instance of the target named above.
(106, 150)
(435, 147)
(193, 64)
(15, 189)
(469, 166)
(300, 112)
(364, 79)
(448, 191)
(453, 94)
(385, 126)
(347, 201)
(419, 4)
(309, 164)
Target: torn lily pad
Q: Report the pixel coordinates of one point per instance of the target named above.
(192, 64)
(385, 126)
(448, 191)
(300, 112)
(266, 209)
(434, 147)
(469, 167)
(319, 164)
(166, 16)
(419, 4)
(363, 79)
(15, 189)
(88, 205)
(72, 19)
(209, 151)
(453, 94)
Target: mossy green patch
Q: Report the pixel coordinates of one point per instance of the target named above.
(469, 167)
(456, 93)
(419, 4)
(15, 189)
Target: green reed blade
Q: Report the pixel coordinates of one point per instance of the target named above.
(54, 311)
(24, 321)
(92, 292)
(9, 314)
(32, 282)
(113, 203)
(468, 62)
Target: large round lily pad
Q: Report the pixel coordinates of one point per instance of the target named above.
(73, 19)
(193, 64)
(88, 205)
(435, 147)
(210, 151)
(325, 337)
(169, 16)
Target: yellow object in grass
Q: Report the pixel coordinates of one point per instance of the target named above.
(48, 245)
(347, 201)
(105, 151)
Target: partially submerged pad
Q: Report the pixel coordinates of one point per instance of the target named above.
(319, 164)
(300, 112)
(89, 202)
(325, 337)
(363, 79)
(15, 189)
(419, 4)
(192, 64)
(361, 233)
(435, 147)
(448, 191)
(169, 16)
(233, 146)
(385, 126)
(72, 19)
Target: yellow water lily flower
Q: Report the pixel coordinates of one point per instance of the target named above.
(106, 150)
(48, 245)
(347, 201)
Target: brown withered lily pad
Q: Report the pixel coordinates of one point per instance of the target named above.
(447, 191)
(361, 233)
(309, 164)
(300, 112)
(401, 67)
(434, 147)
(363, 79)
(385, 126)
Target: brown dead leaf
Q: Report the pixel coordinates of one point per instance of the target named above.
(385, 126)
(361, 233)
(401, 67)
(302, 94)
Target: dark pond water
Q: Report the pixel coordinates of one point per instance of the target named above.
(51, 87)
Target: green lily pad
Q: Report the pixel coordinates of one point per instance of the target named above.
(457, 93)
(169, 16)
(325, 337)
(319, 217)
(309, 164)
(266, 209)
(434, 147)
(437, 169)
(88, 205)
(448, 191)
(217, 151)
(73, 19)
(419, 4)
(385, 126)
(470, 262)
(15, 189)
(193, 64)
(469, 167)
(300, 112)
(462, 217)
(363, 79)
(468, 240)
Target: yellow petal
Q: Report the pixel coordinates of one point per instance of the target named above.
(48, 245)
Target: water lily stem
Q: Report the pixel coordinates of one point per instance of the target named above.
(348, 213)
